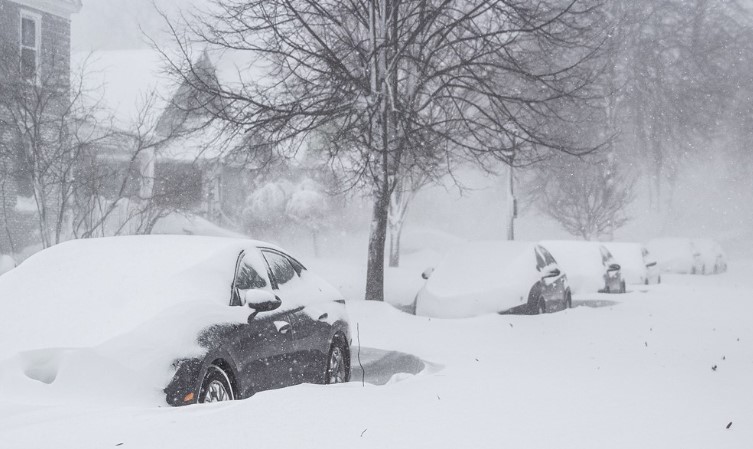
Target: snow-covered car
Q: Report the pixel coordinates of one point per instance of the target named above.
(676, 255)
(6, 264)
(589, 266)
(202, 319)
(636, 266)
(712, 256)
(491, 277)
(652, 267)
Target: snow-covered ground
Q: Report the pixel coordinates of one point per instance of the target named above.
(666, 366)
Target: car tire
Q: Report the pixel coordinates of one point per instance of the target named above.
(216, 386)
(623, 287)
(568, 300)
(337, 370)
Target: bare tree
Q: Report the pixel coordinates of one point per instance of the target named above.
(588, 196)
(47, 123)
(673, 68)
(438, 80)
(86, 176)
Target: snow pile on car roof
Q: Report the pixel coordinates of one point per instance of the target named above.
(476, 277)
(581, 261)
(674, 255)
(84, 292)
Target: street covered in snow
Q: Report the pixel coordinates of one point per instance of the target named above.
(439, 224)
(662, 366)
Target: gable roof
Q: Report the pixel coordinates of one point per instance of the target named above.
(62, 8)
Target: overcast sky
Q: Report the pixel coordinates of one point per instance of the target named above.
(114, 24)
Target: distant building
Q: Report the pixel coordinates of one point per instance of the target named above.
(190, 170)
(35, 45)
(37, 34)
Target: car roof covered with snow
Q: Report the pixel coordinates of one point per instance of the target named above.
(84, 292)
(581, 261)
(474, 277)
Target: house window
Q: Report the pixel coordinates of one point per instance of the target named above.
(30, 42)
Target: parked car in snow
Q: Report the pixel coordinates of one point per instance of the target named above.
(676, 255)
(713, 257)
(636, 264)
(652, 267)
(589, 266)
(204, 319)
(489, 277)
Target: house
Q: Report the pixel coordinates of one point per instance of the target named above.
(190, 166)
(37, 35)
(35, 58)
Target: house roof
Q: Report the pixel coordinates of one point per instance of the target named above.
(62, 8)
(135, 86)
(125, 83)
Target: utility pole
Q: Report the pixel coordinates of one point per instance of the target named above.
(512, 202)
(512, 205)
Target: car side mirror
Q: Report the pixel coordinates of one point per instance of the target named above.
(260, 300)
(427, 273)
(552, 272)
(650, 264)
(614, 267)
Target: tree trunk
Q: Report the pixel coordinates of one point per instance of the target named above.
(396, 230)
(41, 201)
(511, 204)
(377, 239)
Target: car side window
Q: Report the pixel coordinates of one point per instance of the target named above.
(548, 258)
(540, 263)
(247, 277)
(281, 267)
(606, 256)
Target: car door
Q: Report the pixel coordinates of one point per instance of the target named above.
(262, 347)
(310, 320)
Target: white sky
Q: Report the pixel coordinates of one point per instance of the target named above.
(117, 24)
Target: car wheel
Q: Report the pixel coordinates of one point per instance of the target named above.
(568, 300)
(623, 288)
(337, 366)
(216, 386)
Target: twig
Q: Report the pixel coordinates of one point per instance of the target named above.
(363, 371)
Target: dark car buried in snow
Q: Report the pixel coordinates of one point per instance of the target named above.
(203, 319)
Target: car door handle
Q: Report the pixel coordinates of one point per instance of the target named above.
(283, 327)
